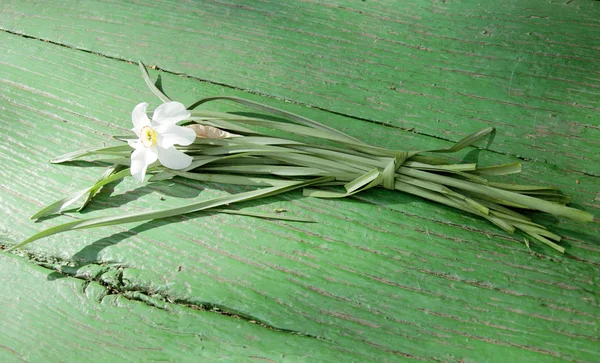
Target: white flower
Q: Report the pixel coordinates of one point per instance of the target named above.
(156, 138)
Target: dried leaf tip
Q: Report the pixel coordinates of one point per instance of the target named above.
(210, 132)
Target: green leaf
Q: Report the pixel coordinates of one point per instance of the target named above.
(445, 167)
(319, 163)
(111, 170)
(546, 241)
(467, 141)
(509, 196)
(281, 126)
(424, 184)
(520, 187)
(364, 181)
(289, 171)
(158, 93)
(119, 150)
(504, 169)
(61, 204)
(164, 213)
(231, 179)
(275, 111)
(278, 216)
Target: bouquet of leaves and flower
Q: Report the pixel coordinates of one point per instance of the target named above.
(225, 148)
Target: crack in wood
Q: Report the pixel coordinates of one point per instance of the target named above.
(262, 94)
(111, 278)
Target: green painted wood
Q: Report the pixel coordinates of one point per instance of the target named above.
(382, 276)
(445, 69)
(66, 319)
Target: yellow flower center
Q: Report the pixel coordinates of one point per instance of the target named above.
(148, 136)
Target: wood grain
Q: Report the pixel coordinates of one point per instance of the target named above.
(446, 69)
(71, 319)
(381, 277)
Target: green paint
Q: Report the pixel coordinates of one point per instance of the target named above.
(443, 68)
(381, 276)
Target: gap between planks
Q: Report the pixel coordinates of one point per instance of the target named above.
(261, 94)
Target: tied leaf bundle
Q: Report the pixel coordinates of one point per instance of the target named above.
(227, 150)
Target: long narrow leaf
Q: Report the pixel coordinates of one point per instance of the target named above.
(158, 93)
(164, 213)
(276, 216)
(281, 126)
(111, 150)
(269, 169)
(466, 141)
(445, 167)
(111, 170)
(231, 179)
(291, 116)
(363, 181)
(63, 203)
(504, 169)
(509, 196)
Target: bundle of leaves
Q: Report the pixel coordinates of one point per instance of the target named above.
(228, 148)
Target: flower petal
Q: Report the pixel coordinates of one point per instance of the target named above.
(140, 159)
(139, 117)
(170, 135)
(173, 158)
(136, 144)
(169, 113)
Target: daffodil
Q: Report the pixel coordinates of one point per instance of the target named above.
(310, 166)
(157, 137)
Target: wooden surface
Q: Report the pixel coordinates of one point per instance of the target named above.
(382, 276)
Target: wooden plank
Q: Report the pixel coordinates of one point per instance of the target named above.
(445, 69)
(415, 281)
(70, 319)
